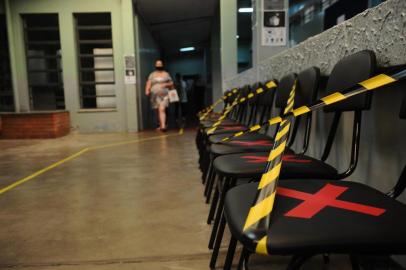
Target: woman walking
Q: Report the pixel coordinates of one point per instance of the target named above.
(157, 87)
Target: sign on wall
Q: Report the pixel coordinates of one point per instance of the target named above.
(274, 23)
(129, 61)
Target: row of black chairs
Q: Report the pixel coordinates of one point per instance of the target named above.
(314, 212)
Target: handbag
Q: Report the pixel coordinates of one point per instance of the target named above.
(173, 96)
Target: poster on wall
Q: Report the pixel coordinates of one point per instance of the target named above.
(274, 23)
(129, 61)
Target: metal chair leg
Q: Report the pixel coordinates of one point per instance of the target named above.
(227, 184)
(213, 205)
(219, 212)
(244, 259)
(230, 254)
(209, 180)
(204, 180)
(210, 189)
(205, 161)
(217, 244)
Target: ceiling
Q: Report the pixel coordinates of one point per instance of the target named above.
(178, 23)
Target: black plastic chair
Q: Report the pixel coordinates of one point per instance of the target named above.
(254, 108)
(282, 93)
(298, 166)
(234, 118)
(322, 216)
(309, 83)
(229, 96)
(306, 87)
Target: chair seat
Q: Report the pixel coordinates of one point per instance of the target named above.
(247, 137)
(227, 129)
(252, 165)
(221, 149)
(225, 122)
(374, 224)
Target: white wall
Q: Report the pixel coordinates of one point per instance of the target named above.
(216, 76)
(228, 39)
(148, 51)
(123, 117)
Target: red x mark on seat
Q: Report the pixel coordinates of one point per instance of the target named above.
(327, 196)
(233, 128)
(253, 143)
(286, 158)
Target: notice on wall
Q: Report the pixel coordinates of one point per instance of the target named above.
(129, 61)
(274, 23)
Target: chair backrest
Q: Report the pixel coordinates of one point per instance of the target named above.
(401, 183)
(283, 90)
(240, 110)
(402, 113)
(252, 105)
(281, 95)
(265, 103)
(266, 99)
(308, 85)
(348, 72)
(230, 97)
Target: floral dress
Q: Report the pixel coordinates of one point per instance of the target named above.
(159, 93)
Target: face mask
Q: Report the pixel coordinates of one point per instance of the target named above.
(159, 68)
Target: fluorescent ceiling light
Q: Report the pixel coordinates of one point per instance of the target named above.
(246, 10)
(187, 49)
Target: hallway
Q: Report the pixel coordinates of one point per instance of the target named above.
(61, 218)
(109, 208)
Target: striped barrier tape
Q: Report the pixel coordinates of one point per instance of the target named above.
(224, 115)
(258, 219)
(258, 216)
(269, 85)
(364, 86)
(205, 112)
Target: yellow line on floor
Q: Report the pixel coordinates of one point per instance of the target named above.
(77, 154)
(44, 170)
(130, 142)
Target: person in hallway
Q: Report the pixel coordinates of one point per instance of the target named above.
(158, 84)
(181, 106)
(200, 89)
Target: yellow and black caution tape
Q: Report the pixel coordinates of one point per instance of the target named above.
(258, 216)
(205, 112)
(258, 219)
(269, 85)
(364, 86)
(224, 115)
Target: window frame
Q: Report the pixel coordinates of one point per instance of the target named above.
(82, 83)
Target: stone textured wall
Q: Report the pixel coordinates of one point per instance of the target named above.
(381, 29)
(383, 147)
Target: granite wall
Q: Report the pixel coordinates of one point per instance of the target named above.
(383, 146)
(381, 29)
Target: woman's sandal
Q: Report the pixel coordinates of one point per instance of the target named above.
(161, 129)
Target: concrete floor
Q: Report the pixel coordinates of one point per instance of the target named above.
(131, 206)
